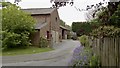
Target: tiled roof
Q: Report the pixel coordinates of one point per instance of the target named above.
(35, 11)
(40, 25)
(64, 27)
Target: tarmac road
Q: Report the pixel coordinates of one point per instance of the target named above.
(58, 57)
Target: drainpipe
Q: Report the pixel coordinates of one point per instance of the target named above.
(51, 40)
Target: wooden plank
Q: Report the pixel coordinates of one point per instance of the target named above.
(110, 61)
(98, 46)
(119, 51)
(115, 44)
(103, 54)
(105, 57)
(100, 50)
(107, 52)
(114, 51)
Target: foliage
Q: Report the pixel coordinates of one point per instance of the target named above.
(4, 4)
(84, 40)
(62, 23)
(115, 18)
(17, 1)
(84, 28)
(17, 26)
(109, 18)
(43, 43)
(82, 56)
(110, 15)
(61, 3)
(106, 31)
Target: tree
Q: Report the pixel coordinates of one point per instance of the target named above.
(62, 23)
(61, 3)
(115, 18)
(16, 27)
(17, 1)
(84, 28)
(4, 4)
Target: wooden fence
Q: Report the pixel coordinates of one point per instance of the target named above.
(108, 49)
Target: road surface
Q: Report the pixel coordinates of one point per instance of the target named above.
(58, 57)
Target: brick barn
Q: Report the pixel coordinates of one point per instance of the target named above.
(47, 25)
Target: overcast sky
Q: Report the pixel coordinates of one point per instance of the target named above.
(68, 14)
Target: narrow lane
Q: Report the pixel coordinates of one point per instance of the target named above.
(58, 57)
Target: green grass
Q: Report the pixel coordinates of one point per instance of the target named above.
(21, 51)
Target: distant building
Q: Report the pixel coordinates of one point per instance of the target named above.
(64, 32)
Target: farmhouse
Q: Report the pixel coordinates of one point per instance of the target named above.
(47, 24)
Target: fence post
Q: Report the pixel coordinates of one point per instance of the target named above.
(116, 50)
(108, 50)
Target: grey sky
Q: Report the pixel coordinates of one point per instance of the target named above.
(68, 14)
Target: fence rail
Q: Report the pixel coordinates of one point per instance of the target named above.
(108, 49)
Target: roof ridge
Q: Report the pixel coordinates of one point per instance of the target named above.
(36, 8)
(34, 11)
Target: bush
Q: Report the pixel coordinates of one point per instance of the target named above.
(83, 56)
(84, 40)
(94, 61)
(106, 31)
(16, 27)
(84, 28)
(43, 43)
(115, 18)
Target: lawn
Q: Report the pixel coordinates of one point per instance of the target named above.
(30, 50)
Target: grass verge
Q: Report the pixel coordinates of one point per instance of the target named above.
(21, 51)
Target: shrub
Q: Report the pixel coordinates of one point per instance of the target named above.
(106, 31)
(84, 40)
(16, 27)
(83, 56)
(94, 61)
(43, 42)
(84, 28)
(115, 18)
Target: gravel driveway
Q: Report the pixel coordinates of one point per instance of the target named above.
(58, 57)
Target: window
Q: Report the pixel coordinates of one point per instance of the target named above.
(48, 34)
(56, 19)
